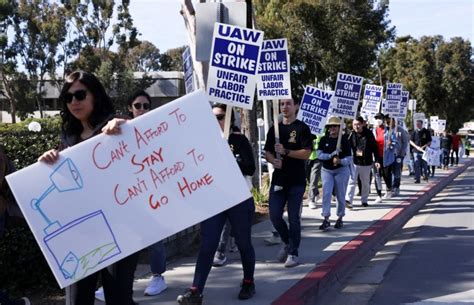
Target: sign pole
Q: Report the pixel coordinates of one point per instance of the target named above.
(228, 117)
(275, 125)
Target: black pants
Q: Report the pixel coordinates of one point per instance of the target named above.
(453, 152)
(386, 173)
(117, 280)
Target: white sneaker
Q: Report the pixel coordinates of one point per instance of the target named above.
(312, 205)
(219, 259)
(378, 200)
(156, 286)
(283, 253)
(291, 261)
(99, 294)
(388, 195)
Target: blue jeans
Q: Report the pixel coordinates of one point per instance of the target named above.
(421, 167)
(292, 196)
(445, 160)
(397, 171)
(335, 179)
(158, 258)
(241, 219)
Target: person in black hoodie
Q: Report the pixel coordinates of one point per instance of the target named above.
(364, 152)
(240, 218)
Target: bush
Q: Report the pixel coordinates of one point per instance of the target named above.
(23, 267)
(24, 147)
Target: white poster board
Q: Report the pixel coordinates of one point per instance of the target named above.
(111, 196)
(392, 99)
(371, 101)
(434, 122)
(441, 125)
(314, 109)
(435, 142)
(432, 156)
(233, 66)
(188, 71)
(346, 95)
(273, 82)
(418, 116)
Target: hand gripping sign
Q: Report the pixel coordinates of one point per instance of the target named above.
(273, 81)
(233, 65)
(346, 95)
(111, 196)
(314, 109)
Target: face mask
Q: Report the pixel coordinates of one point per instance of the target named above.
(378, 122)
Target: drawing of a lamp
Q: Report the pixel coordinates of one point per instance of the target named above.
(64, 178)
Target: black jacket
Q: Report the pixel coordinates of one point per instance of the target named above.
(366, 145)
(243, 153)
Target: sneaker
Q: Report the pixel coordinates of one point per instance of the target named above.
(283, 253)
(312, 205)
(233, 245)
(273, 240)
(219, 259)
(325, 225)
(291, 261)
(388, 195)
(339, 224)
(348, 204)
(22, 301)
(365, 204)
(156, 286)
(396, 192)
(378, 200)
(247, 290)
(190, 297)
(99, 294)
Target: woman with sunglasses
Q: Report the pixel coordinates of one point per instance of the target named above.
(86, 109)
(335, 171)
(240, 217)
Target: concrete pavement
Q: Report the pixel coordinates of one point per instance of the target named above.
(326, 257)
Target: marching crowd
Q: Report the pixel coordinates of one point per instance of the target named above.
(343, 159)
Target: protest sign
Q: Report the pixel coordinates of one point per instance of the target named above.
(233, 65)
(392, 99)
(403, 106)
(188, 71)
(435, 142)
(372, 100)
(314, 109)
(111, 196)
(434, 122)
(418, 116)
(273, 82)
(346, 95)
(441, 125)
(432, 156)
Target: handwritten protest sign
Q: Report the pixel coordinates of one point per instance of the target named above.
(346, 95)
(233, 66)
(403, 106)
(391, 106)
(111, 196)
(314, 109)
(188, 70)
(372, 100)
(273, 81)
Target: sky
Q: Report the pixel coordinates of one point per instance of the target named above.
(160, 22)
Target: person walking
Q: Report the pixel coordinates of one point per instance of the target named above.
(314, 174)
(420, 139)
(402, 138)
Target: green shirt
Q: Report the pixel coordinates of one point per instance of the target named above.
(314, 152)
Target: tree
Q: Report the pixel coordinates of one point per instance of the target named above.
(144, 57)
(326, 37)
(438, 74)
(172, 60)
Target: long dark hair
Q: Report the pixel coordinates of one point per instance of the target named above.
(223, 107)
(102, 105)
(134, 95)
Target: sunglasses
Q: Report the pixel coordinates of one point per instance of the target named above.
(220, 116)
(79, 95)
(138, 106)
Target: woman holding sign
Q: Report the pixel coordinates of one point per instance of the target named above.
(335, 172)
(240, 218)
(86, 109)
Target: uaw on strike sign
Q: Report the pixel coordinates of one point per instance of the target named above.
(273, 81)
(233, 66)
(346, 95)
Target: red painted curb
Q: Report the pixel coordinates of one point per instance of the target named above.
(340, 264)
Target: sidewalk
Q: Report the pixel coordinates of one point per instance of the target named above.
(325, 256)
